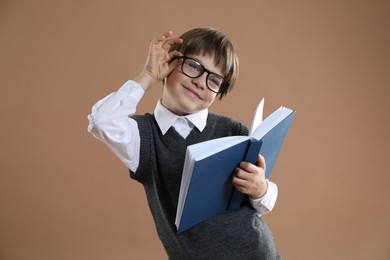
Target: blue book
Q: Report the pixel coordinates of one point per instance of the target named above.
(206, 186)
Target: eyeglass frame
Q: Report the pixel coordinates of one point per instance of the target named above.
(225, 83)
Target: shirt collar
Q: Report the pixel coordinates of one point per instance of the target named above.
(165, 118)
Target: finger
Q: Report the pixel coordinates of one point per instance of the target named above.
(161, 38)
(175, 54)
(238, 182)
(165, 35)
(242, 174)
(240, 188)
(174, 63)
(248, 167)
(261, 162)
(171, 42)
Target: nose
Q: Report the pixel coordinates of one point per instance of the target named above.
(200, 81)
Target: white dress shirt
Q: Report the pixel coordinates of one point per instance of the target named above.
(110, 123)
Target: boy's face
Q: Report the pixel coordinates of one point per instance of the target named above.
(183, 95)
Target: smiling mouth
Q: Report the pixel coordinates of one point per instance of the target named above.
(193, 92)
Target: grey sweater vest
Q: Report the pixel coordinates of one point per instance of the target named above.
(238, 234)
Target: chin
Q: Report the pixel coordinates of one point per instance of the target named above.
(186, 107)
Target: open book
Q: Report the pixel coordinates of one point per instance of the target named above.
(206, 187)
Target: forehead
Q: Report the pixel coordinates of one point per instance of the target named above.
(208, 62)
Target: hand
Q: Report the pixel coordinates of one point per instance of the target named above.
(158, 64)
(250, 179)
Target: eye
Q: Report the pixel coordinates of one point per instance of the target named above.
(194, 66)
(215, 80)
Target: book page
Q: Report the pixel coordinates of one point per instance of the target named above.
(258, 117)
(197, 152)
(271, 121)
(205, 149)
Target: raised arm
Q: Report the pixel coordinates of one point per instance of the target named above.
(109, 120)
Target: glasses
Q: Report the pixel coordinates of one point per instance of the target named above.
(193, 69)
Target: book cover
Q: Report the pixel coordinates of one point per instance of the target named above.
(206, 188)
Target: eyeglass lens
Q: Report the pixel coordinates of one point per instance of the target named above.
(194, 69)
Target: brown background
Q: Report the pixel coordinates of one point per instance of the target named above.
(64, 195)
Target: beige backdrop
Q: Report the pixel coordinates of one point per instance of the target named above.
(64, 195)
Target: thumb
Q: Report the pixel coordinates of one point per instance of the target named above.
(261, 162)
(175, 58)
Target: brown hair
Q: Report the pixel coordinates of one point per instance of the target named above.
(208, 41)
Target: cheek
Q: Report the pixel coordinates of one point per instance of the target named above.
(175, 77)
(210, 97)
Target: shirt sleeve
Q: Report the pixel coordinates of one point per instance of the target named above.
(109, 122)
(266, 203)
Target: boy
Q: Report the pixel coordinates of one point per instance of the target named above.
(195, 69)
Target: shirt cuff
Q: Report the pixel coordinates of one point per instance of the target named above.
(118, 104)
(133, 88)
(267, 202)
